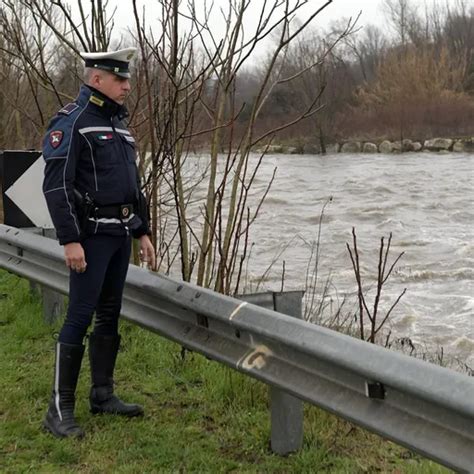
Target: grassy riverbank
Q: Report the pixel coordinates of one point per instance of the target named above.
(200, 416)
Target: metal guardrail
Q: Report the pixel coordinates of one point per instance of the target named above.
(426, 408)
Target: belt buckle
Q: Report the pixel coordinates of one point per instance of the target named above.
(125, 211)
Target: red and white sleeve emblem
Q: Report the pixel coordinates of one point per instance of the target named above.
(55, 138)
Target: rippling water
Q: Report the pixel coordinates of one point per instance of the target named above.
(426, 201)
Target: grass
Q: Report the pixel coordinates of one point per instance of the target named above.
(200, 416)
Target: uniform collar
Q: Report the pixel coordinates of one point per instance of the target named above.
(101, 102)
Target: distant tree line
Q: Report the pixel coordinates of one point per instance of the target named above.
(410, 77)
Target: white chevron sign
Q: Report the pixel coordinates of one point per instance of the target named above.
(26, 192)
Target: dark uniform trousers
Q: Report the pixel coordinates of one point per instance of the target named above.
(98, 289)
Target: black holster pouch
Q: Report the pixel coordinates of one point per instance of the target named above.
(84, 206)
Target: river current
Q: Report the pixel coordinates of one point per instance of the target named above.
(425, 200)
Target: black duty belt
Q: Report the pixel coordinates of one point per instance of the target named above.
(119, 211)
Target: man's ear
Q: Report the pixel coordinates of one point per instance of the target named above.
(95, 80)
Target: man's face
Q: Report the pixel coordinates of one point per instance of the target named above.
(114, 87)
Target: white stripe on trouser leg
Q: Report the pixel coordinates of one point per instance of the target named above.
(56, 381)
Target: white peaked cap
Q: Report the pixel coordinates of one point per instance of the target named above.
(115, 62)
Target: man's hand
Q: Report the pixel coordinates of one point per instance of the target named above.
(147, 252)
(75, 258)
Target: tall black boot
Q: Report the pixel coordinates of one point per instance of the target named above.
(103, 354)
(60, 419)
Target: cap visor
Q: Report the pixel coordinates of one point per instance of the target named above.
(125, 75)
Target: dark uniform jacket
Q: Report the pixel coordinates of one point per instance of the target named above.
(88, 148)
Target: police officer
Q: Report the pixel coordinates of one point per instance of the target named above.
(92, 189)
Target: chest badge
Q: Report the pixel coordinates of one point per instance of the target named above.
(55, 138)
(105, 136)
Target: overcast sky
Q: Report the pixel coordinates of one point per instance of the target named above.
(372, 12)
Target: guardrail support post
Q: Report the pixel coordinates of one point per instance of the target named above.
(286, 410)
(35, 287)
(53, 302)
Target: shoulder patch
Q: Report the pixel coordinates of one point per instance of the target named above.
(59, 135)
(55, 138)
(68, 109)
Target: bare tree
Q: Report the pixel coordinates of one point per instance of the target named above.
(195, 96)
(316, 62)
(39, 53)
(376, 322)
(401, 15)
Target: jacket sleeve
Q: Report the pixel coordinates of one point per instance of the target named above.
(61, 150)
